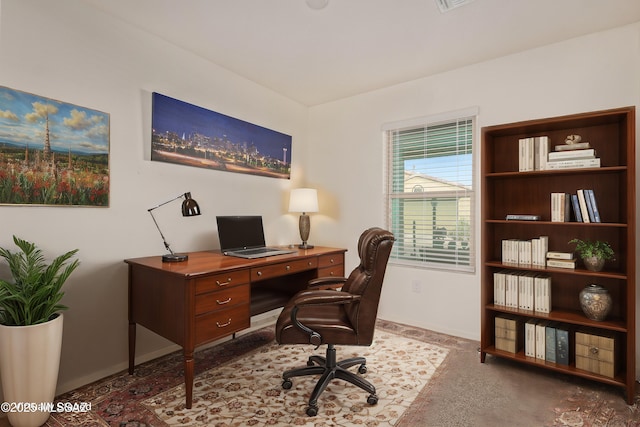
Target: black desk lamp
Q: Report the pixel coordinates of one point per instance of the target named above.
(189, 208)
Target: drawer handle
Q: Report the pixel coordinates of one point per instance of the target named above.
(309, 263)
(259, 273)
(228, 300)
(594, 350)
(224, 325)
(219, 283)
(288, 267)
(332, 274)
(332, 260)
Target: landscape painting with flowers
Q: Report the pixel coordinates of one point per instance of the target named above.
(52, 153)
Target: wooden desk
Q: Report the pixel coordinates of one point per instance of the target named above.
(211, 295)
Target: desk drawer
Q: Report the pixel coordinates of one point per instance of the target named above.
(283, 268)
(221, 323)
(221, 281)
(222, 299)
(330, 260)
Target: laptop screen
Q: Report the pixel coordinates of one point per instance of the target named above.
(239, 232)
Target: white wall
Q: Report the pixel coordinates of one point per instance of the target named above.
(596, 72)
(67, 51)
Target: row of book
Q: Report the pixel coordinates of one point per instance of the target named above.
(522, 290)
(582, 205)
(546, 341)
(525, 252)
(534, 154)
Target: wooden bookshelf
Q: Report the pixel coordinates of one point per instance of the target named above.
(507, 191)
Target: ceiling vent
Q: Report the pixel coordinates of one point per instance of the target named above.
(447, 5)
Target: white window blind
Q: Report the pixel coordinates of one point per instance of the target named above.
(429, 192)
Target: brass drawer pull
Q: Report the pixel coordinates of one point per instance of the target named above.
(228, 300)
(288, 267)
(594, 350)
(259, 273)
(219, 283)
(224, 325)
(332, 261)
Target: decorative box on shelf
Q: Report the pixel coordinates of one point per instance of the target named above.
(508, 334)
(596, 353)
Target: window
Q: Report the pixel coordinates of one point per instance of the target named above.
(429, 192)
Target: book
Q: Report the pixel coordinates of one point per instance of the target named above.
(572, 154)
(541, 340)
(542, 294)
(571, 147)
(550, 343)
(577, 213)
(562, 346)
(541, 148)
(522, 217)
(526, 154)
(574, 164)
(530, 338)
(560, 255)
(560, 207)
(594, 205)
(583, 206)
(561, 263)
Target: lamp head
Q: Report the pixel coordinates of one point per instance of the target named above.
(303, 200)
(189, 206)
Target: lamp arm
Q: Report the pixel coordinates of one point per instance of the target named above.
(162, 204)
(166, 245)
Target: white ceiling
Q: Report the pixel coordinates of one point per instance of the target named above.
(355, 46)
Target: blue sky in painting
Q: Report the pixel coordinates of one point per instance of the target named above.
(172, 115)
(22, 122)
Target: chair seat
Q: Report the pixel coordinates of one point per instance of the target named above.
(331, 320)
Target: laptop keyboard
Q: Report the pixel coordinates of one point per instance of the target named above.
(256, 251)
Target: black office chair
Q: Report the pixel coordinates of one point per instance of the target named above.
(346, 317)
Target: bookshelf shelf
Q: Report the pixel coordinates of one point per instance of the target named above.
(506, 191)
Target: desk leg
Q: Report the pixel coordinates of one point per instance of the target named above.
(132, 346)
(188, 376)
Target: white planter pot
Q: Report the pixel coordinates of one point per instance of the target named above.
(29, 362)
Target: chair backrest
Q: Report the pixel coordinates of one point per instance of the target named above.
(374, 248)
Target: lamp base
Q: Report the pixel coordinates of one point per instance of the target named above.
(305, 246)
(174, 257)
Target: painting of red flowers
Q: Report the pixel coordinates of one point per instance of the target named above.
(52, 153)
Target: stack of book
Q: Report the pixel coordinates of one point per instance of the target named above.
(571, 156)
(533, 153)
(546, 341)
(583, 205)
(522, 290)
(525, 252)
(561, 259)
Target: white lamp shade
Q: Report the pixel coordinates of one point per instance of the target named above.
(303, 200)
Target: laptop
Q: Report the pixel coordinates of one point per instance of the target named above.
(243, 236)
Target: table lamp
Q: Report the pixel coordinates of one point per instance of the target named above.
(189, 208)
(304, 200)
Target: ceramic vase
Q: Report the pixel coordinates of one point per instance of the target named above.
(593, 263)
(29, 363)
(595, 302)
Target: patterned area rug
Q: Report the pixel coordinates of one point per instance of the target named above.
(238, 383)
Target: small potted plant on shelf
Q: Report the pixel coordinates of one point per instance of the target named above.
(593, 253)
(31, 328)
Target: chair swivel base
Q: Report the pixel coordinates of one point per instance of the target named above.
(329, 369)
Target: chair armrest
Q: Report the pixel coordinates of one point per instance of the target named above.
(324, 281)
(317, 297)
(323, 297)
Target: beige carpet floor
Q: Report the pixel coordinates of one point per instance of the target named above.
(456, 390)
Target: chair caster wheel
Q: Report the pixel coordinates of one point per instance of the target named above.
(312, 411)
(372, 399)
(362, 369)
(286, 384)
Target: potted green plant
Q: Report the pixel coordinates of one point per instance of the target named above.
(31, 329)
(593, 253)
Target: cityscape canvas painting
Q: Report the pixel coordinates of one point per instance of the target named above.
(186, 134)
(52, 153)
